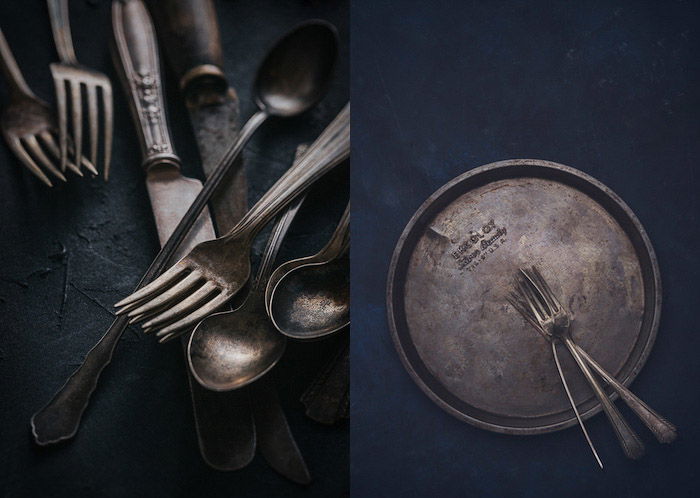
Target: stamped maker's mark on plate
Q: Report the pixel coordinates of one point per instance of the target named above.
(478, 245)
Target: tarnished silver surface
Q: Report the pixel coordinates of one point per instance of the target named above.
(460, 340)
(70, 74)
(29, 126)
(309, 298)
(214, 271)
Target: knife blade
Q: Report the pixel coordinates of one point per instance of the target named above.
(190, 34)
(171, 194)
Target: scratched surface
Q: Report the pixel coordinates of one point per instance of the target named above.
(453, 312)
(71, 251)
(609, 87)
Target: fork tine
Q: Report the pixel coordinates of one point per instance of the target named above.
(77, 114)
(154, 287)
(61, 110)
(31, 143)
(106, 91)
(184, 306)
(92, 120)
(532, 302)
(28, 162)
(190, 320)
(547, 290)
(177, 291)
(49, 142)
(537, 292)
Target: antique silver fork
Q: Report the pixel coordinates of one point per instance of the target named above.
(663, 430)
(28, 124)
(540, 303)
(69, 73)
(215, 270)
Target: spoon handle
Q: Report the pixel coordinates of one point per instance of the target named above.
(340, 239)
(330, 149)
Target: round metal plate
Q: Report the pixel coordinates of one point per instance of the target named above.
(455, 332)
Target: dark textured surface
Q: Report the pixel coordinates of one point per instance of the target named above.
(137, 437)
(611, 88)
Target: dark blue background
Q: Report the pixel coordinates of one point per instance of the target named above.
(609, 87)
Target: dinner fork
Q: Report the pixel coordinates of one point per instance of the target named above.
(215, 270)
(69, 73)
(28, 124)
(664, 431)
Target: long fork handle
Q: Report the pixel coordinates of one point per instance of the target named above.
(573, 403)
(11, 70)
(631, 444)
(60, 418)
(664, 430)
(60, 25)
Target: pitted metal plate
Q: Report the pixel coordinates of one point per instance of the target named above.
(461, 341)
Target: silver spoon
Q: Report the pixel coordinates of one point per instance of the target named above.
(293, 77)
(308, 298)
(231, 349)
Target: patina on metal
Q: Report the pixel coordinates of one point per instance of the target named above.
(309, 298)
(69, 73)
(29, 126)
(458, 337)
(189, 34)
(541, 308)
(293, 85)
(214, 271)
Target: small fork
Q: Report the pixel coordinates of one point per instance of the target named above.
(69, 73)
(28, 125)
(540, 307)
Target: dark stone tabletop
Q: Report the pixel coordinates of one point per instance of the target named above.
(70, 252)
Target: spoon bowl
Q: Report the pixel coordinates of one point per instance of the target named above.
(295, 74)
(231, 349)
(312, 300)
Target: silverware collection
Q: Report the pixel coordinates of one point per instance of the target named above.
(487, 239)
(196, 273)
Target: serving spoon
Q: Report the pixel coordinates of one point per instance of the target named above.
(293, 77)
(309, 298)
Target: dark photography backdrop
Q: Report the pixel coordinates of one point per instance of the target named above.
(137, 436)
(609, 87)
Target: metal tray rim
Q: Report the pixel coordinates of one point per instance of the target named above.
(656, 280)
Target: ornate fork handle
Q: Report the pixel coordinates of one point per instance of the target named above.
(631, 444)
(664, 430)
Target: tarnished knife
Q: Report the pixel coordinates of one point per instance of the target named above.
(170, 195)
(189, 32)
(190, 38)
(221, 423)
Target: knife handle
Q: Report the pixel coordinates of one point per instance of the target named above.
(136, 58)
(190, 35)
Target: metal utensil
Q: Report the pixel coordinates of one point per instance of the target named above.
(327, 398)
(663, 430)
(60, 419)
(453, 266)
(189, 33)
(231, 349)
(308, 298)
(554, 319)
(214, 271)
(69, 73)
(169, 192)
(28, 124)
